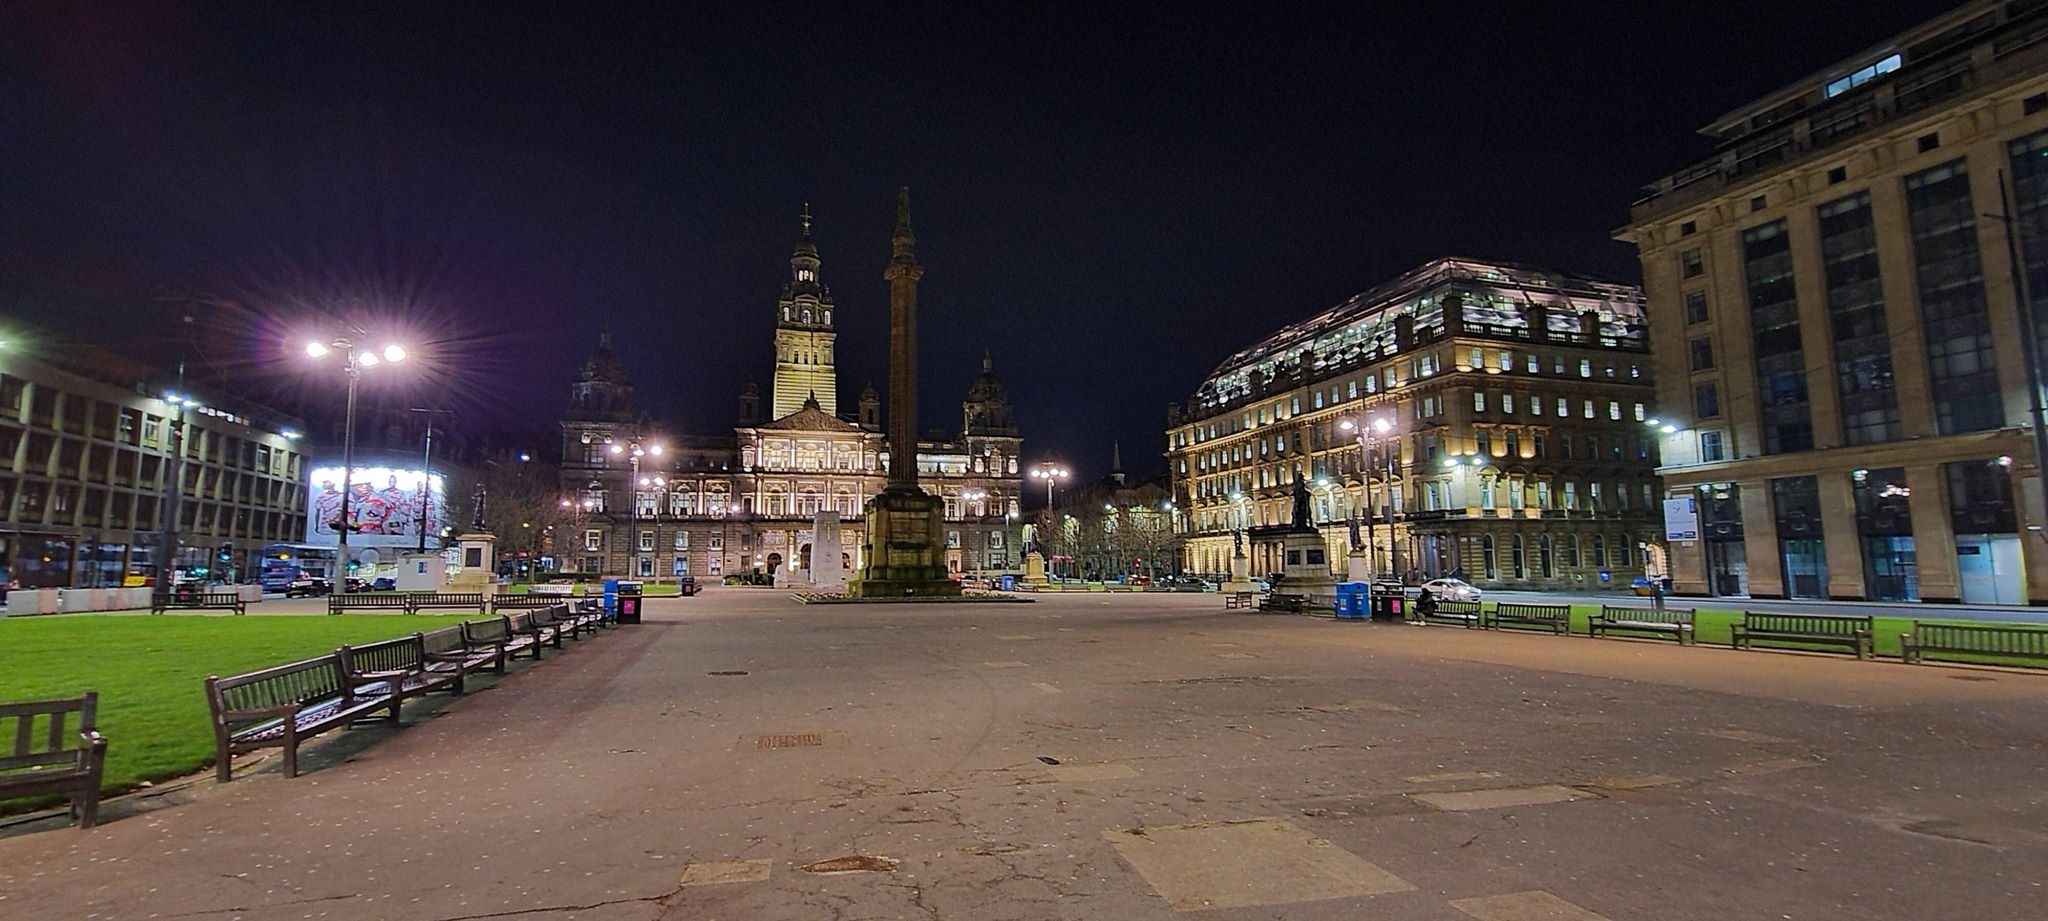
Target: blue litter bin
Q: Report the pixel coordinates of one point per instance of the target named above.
(611, 597)
(1009, 582)
(1351, 601)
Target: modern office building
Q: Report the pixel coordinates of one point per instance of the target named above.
(1840, 330)
(88, 443)
(1504, 416)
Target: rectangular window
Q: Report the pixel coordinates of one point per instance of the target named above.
(593, 539)
(1507, 403)
(1695, 307)
(1706, 400)
(1787, 420)
(682, 540)
(1863, 347)
(1690, 265)
(1564, 407)
(1535, 364)
(1478, 401)
(1962, 373)
(647, 540)
(1862, 76)
(1700, 353)
(1710, 447)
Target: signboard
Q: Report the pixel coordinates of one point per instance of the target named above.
(1681, 519)
(387, 504)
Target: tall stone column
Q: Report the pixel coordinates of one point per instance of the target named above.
(905, 547)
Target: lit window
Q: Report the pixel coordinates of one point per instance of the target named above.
(1863, 76)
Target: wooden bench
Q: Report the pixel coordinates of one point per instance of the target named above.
(281, 706)
(1462, 613)
(339, 603)
(197, 601)
(1850, 631)
(423, 601)
(54, 760)
(1556, 618)
(446, 652)
(525, 602)
(1289, 604)
(497, 633)
(400, 664)
(1948, 640)
(1676, 623)
(563, 621)
(1237, 600)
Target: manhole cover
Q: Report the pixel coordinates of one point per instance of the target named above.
(799, 740)
(860, 863)
(727, 674)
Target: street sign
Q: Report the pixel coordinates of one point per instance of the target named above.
(1681, 519)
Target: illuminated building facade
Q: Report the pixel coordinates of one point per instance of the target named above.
(1516, 452)
(715, 506)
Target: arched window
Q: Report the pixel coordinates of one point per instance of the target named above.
(1599, 551)
(1490, 560)
(1517, 559)
(1546, 562)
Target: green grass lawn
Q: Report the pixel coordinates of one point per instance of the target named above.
(150, 672)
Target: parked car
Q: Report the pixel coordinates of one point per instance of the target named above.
(383, 584)
(1452, 590)
(308, 586)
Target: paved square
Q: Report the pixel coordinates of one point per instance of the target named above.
(1350, 771)
(1237, 864)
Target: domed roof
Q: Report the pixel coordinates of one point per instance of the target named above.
(987, 388)
(604, 365)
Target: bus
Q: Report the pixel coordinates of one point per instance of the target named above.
(283, 563)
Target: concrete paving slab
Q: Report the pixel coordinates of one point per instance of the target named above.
(1468, 800)
(1535, 905)
(1213, 865)
(1084, 773)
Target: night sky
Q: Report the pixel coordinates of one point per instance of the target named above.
(1108, 202)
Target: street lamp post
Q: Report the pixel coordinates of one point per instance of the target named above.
(427, 471)
(636, 450)
(1381, 427)
(355, 362)
(1051, 472)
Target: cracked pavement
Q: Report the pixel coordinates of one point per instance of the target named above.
(1632, 780)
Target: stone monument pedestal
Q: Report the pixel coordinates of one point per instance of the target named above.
(1240, 575)
(828, 551)
(479, 555)
(1307, 566)
(906, 546)
(1034, 568)
(1356, 569)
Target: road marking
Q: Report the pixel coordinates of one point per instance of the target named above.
(726, 871)
(1235, 655)
(1009, 664)
(1773, 766)
(1535, 905)
(1211, 865)
(1469, 800)
(1049, 689)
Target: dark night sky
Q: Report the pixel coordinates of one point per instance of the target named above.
(1110, 202)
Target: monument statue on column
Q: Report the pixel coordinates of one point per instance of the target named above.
(906, 548)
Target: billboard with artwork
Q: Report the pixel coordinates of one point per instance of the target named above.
(389, 505)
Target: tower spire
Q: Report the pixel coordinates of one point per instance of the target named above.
(1116, 462)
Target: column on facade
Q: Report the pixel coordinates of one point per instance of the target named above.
(1902, 309)
(1934, 536)
(1840, 537)
(2001, 300)
(1816, 331)
(1760, 540)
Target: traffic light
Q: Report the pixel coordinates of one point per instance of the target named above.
(226, 553)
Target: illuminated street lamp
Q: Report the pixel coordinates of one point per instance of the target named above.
(355, 361)
(1051, 473)
(1381, 428)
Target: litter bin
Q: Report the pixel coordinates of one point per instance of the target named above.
(1389, 602)
(1351, 600)
(611, 597)
(629, 603)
